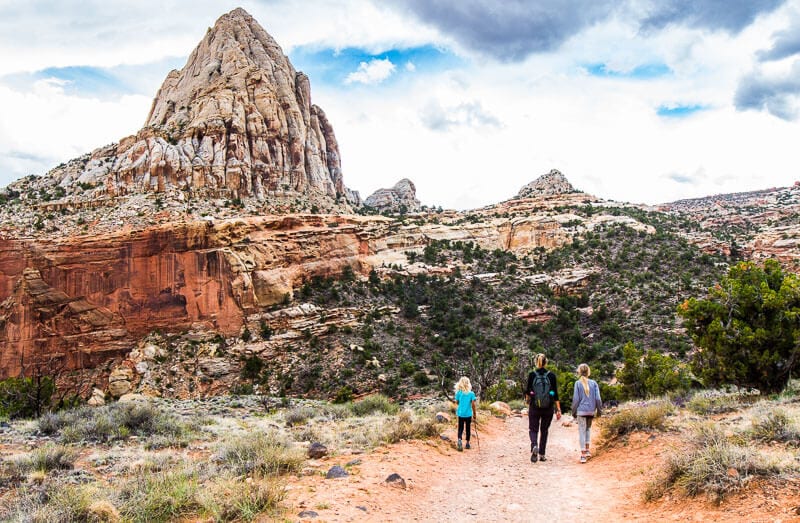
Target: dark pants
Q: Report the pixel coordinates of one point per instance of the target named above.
(538, 424)
(461, 423)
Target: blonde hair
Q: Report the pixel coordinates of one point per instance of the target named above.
(584, 372)
(463, 385)
(541, 361)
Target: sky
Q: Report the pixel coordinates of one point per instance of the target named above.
(645, 101)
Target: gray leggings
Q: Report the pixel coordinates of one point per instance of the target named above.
(585, 430)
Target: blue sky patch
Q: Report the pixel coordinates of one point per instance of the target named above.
(332, 66)
(640, 72)
(101, 82)
(679, 111)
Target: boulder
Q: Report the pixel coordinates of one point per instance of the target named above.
(442, 417)
(120, 381)
(336, 471)
(501, 407)
(317, 450)
(98, 398)
(395, 480)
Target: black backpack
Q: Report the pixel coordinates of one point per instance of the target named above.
(542, 390)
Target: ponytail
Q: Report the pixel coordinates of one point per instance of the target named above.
(541, 361)
(584, 372)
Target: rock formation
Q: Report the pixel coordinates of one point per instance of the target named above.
(236, 121)
(403, 196)
(548, 184)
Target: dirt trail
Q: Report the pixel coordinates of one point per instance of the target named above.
(494, 481)
(497, 482)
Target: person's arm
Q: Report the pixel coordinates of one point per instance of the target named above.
(575, 399)
(554, 388)
(529, 388)
(598, 400)
(475, 409)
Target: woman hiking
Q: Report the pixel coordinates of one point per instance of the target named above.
(541, 394)
(586, 404)
(465, 399)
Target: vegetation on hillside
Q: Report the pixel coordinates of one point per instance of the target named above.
(467, 322)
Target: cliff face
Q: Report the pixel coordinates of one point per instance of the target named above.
(236, 121)
(86, 299)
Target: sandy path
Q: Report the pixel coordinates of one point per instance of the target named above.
(494, 481)
(499, 483)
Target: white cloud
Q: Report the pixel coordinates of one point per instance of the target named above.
(373, 72)
(603, 133)
(410, 67)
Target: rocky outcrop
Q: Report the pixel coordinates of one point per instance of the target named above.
(400, 198)
(89, 299)
(236, 121)
(549, 184)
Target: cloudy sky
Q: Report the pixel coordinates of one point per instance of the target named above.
(645, 101)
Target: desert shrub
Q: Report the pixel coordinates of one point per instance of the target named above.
(343, 395)
(517, 404)
(231, 500)
(774, 426)
(637, 416)
(720, 401)
(116, 421)
(711, 464)
(57, 502)
(49, 457)
(421, 379)
(372, 404)
(263, 453)
(409, 426)
(503, 390)
(299, 415)
(161, 496)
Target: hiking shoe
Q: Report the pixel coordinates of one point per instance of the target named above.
(583, 458)
(459, 445)
(468, 447)
(542, 458)
(534, 458)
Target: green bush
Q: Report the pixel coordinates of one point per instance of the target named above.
(637, 416)
(25, 397)
(376, 403)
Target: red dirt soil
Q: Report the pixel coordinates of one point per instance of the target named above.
(495, 481)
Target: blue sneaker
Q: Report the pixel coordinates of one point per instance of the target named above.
(459, 445)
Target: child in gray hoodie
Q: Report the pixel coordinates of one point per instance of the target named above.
(586, 404)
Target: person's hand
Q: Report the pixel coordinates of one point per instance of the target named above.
(558, 415)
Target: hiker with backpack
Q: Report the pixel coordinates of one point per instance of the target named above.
(466, 409)
(542, 397)
(586, 404)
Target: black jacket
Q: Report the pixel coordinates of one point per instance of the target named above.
(553, 385)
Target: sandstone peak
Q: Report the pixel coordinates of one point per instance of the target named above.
(236, 121)
(403, 196)
(549, 184)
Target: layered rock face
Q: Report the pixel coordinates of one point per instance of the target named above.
(549, 184)
(236, 121)
(86, 299)
(403, 196)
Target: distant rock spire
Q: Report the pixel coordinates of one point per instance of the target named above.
(548, 184)
(236, 121)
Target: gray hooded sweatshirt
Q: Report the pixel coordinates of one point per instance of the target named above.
(583, 404)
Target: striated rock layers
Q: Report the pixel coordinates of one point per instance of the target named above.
(87, 299)
(549, 184)
(401, 197)
(236, 121)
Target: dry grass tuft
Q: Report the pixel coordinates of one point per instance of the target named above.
(637, 416)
